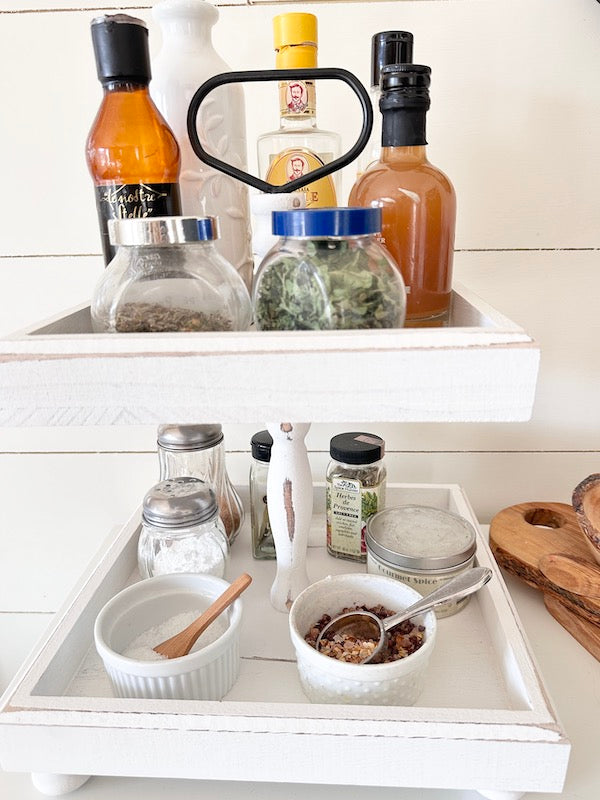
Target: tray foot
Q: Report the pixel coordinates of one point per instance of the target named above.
(492, 794)
(53, 785)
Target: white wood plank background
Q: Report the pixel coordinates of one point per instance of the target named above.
(515, 122)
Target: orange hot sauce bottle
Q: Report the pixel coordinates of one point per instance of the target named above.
(131, 152)
(417, 200)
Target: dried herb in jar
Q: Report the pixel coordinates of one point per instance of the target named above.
(333, 284)
(156, 318)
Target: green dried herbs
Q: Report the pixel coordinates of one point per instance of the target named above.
(332, 284)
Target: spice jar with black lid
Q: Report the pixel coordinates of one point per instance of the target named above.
(198, 451)
(181, 530)
(167, 276)
(263, 546)
(355, 489)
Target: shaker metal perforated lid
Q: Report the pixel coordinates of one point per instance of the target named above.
(189, 437)
(162, 230)
(420, 537)
(179, 503)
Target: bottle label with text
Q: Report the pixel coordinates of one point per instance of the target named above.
(349, 505)
(134, 201)
(292, 164)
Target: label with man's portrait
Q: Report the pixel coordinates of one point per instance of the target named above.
(297, 98)
(292, 164)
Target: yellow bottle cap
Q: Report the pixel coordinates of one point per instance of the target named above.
(294, 28)
(295, 40)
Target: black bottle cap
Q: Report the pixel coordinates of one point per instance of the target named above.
(261, 444)
(121, 48)
(405, 86)
(405, 76)
(389, 47)
(357, 448)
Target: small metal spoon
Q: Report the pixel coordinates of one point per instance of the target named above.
(366, 625)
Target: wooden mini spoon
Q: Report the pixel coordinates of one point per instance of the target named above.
(181, 644)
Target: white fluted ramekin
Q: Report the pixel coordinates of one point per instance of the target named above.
(327, 680)
(206, 674)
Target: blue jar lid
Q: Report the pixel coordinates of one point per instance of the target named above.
(327, 222)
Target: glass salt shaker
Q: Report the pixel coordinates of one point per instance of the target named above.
(198, 451)
(181, 530)
(263, 546)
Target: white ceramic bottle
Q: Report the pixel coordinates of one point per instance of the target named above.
(187, 58)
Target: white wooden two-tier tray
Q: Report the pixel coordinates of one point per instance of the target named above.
(483, 722)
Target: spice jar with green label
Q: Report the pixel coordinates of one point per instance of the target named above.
(355, 491)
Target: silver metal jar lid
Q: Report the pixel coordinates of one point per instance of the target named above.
(179, 503)
(420, 537)
(189, 437)
(162, 230)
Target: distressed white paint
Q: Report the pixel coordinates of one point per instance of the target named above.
(290, 500)
(482, 367)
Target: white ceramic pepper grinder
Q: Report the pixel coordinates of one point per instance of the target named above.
(186, 60)
(290, 500)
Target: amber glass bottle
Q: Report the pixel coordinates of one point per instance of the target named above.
(417, 200)
(132, 154)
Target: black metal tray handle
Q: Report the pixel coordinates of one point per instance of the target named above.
(253, 76)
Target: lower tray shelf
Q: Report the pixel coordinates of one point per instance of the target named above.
(484, 721)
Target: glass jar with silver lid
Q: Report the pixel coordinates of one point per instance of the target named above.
(198, 451)
(168, 276)
(421, 546)
(181, 530)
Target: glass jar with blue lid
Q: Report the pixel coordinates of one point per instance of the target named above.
(167, 275)
(328, 271)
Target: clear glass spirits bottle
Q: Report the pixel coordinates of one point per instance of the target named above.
(417, 200)
(298, 146)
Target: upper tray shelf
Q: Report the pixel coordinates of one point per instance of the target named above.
(480, 367)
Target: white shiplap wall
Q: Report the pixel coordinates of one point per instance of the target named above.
(515, 122)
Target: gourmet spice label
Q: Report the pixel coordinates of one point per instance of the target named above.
(134, 201)
(349, 505)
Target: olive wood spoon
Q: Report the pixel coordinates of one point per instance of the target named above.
(181, 644)
(572, 574)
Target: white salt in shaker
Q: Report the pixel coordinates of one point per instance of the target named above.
(181, 530)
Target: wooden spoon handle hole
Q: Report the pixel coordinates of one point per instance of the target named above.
(544, 518)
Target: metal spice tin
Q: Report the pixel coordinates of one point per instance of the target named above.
(421, 546)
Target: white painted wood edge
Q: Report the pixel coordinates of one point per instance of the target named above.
(494, 329)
